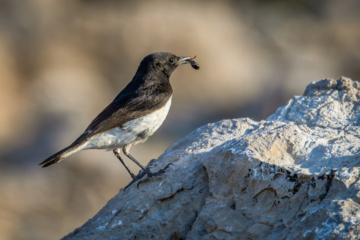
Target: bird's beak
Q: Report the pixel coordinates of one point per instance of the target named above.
(183, 60)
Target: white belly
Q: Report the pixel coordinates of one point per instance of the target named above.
(132, 132)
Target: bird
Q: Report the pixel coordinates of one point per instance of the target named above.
(135, 113)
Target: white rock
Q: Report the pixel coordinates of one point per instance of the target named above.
(293, 176)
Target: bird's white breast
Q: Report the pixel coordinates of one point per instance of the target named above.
(132, 132)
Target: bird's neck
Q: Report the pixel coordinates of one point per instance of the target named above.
(150, 81)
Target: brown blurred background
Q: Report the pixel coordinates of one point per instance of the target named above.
(62, 62)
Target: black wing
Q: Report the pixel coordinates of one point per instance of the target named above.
(124, 108)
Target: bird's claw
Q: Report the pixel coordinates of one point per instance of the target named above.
(148, 176)
(135, 178)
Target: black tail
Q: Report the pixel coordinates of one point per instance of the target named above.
(57, 157)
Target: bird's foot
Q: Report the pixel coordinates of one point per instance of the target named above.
(156, 174)
(148, 174)
(135, 178)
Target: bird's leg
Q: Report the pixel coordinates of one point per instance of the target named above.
(117, 154)
(126, 151)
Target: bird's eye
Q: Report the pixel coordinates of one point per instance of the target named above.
(171, 60)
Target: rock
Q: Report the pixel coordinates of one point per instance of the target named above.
(292, 176)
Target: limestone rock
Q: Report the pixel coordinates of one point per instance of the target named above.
(292, 176)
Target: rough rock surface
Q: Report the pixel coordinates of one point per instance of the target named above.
(292, 176)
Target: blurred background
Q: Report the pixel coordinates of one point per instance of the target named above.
(62, 62)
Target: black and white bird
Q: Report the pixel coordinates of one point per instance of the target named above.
(135, 113)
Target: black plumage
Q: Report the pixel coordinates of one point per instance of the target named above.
(148, 91)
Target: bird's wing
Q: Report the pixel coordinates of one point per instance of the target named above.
(124, 108)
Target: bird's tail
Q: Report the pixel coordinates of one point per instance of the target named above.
(59, 156)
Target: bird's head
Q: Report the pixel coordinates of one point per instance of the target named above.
(162, 62)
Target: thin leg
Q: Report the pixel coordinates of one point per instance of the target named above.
(126, 151)
(117, 154)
